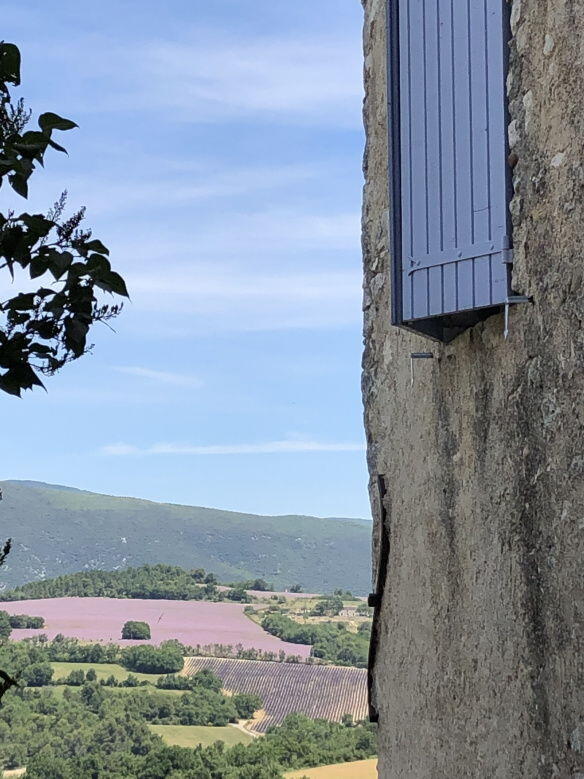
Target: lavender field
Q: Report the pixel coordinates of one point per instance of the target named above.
(325, 691)
(191, 622)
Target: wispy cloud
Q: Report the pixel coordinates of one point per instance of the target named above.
(269, 447)
(229, 298)
(210, 77)
(191, 182)
(161, 377)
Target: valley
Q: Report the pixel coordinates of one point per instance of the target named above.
(252, 669)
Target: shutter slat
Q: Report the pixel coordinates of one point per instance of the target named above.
(479, 98)
(482, 281)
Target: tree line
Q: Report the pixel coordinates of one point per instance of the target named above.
(159, 582)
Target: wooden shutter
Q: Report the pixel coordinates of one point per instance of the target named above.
(449, 156)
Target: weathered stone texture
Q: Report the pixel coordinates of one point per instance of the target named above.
(480, 665)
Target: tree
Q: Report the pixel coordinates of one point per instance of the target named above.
(330, 605)
(5, 626)
(239, 594)
(136, 630)
(37, 674)
(296, 588)
(42, 330)
(246, 704)
(153, 660)
(76, 678)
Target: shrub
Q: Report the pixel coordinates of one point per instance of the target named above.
(130, 681)
(136, 630)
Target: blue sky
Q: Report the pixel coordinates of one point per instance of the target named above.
(219, 157)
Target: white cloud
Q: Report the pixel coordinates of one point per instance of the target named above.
(162, 377)
(270, 447)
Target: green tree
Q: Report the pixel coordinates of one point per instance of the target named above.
(147, 659)
(42, 330)
(239, 594)
(136, 630)
(246, 704)
(5, 626)
(37, 674)
(76, 678)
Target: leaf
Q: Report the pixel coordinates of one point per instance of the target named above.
(97, 263)
(37, 267)
(57, 146)
(50, 121)
(19, 185)
(37, 224)
(75, 335)
(22, 302)
(10, 63)
(96, 246)
(117, 284)
(58, 262)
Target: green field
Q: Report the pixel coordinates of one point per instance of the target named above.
(102, 670)
(193, 735)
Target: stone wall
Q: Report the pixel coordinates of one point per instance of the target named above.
(479, 671)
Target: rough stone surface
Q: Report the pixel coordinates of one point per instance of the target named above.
(480, 665)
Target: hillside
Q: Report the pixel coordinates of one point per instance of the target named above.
(57, 530)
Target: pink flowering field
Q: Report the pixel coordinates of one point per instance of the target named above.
(191, 622)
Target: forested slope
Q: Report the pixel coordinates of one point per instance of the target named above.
(59, 530)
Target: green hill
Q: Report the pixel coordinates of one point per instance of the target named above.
(57, 530)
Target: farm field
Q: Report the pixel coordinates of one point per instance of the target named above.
(102, 671)
(319, 691)
(193, 735)
(362, 769)
(191, 622)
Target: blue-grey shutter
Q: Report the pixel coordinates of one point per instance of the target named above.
(451, 106)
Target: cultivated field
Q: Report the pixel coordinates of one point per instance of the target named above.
(193, 735)
(362, 769)
(102, 671)
(319, 691)
(191, 622)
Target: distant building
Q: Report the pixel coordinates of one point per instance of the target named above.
(473, 384)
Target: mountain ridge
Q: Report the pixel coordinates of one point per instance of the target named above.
(58, 529)
(47, 485)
